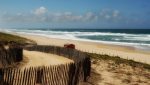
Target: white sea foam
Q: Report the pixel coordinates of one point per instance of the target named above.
(139, 39)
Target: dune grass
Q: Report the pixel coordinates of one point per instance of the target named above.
(119, 60)
(10, 37)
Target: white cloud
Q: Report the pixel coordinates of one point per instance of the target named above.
(116, 13)
(107, 16)
(90, 17)
(40, 11)
(71, 17)
(41, 14)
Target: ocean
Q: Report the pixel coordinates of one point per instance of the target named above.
(138, 38)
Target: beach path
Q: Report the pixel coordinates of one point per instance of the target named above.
(35, 59)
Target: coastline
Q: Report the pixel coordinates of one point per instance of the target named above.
(125, 52)
(105, 70)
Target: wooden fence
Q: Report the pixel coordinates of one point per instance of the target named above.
(65, 74)
(81, 59)
(50, 75)
(11, 55)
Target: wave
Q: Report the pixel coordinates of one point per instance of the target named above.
(77, 32)
(136, 40)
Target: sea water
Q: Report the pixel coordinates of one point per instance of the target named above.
(139, 38)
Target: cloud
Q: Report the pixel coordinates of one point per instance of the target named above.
(64, 17)
(43, 15)
(90, 17)
(115, 13)
(110, 14)
(71, 17)
(40, 11)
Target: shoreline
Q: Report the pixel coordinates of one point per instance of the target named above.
(125, 52)
(140, 47)
(143, 48)
(123, 38)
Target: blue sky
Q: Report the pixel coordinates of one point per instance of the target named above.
(74, 14)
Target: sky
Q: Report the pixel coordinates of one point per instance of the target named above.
(75, 14)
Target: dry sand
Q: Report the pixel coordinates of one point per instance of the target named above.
(114, 50)
(35, 59)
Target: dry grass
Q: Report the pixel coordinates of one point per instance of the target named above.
(108, 72)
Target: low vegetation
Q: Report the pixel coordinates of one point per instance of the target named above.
(8, 37)
(119, 60)
(113, 70)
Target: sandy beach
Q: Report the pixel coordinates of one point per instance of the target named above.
(114, 50)
(106, 72)
(74, 42)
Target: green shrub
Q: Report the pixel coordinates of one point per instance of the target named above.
(9, 37)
